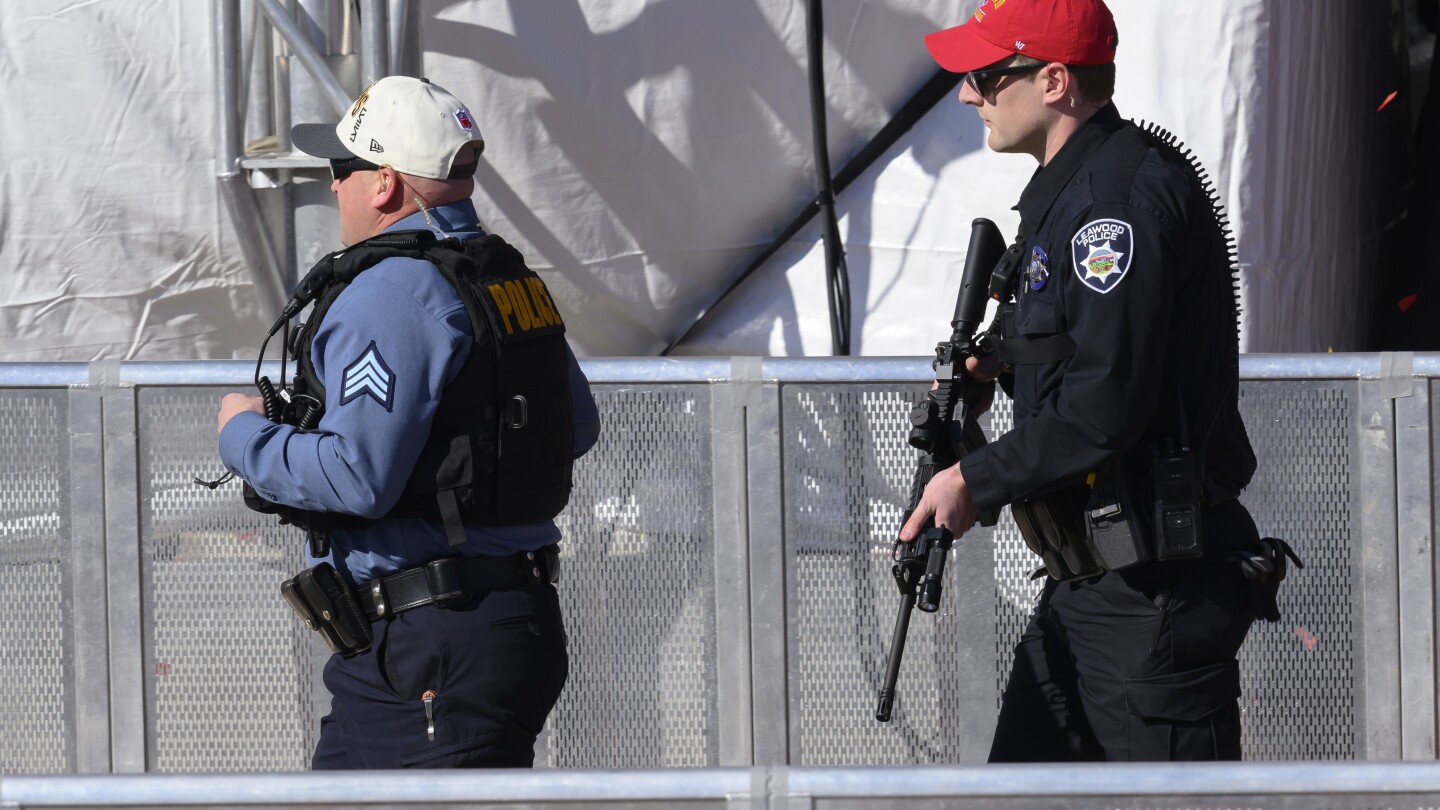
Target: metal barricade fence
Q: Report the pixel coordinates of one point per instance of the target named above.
(726, 582)
(1082, 786)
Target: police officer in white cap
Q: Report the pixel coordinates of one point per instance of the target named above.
(432, 554)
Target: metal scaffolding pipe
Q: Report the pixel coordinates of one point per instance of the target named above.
(300, 46)
(256, 244)
(280, 100)
(249, 35)
(227, 47)
(404, 22)
(374, 40)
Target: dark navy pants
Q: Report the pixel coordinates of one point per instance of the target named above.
(496, 665)
(1136, 664)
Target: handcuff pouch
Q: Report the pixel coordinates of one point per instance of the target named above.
(325, 602)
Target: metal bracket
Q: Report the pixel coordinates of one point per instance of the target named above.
(789, 801)
(104, 375)
(1397, 371)
(769, 790)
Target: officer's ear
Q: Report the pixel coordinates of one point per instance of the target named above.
(1056, 83)
(388, 192)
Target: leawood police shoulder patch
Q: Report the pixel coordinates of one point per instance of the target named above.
(1102, 249)
(369, 376)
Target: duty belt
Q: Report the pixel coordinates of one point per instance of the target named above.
(453, 580)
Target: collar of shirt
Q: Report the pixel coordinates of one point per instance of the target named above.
(1049, 180)
(454, 218)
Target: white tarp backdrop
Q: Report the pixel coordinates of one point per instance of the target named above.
(641, 152)
(113, 243)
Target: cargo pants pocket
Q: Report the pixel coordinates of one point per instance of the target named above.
(1185, 716)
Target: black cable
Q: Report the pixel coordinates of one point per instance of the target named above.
(940, 85)
(837, 275)
(267, 394)
(284, 351)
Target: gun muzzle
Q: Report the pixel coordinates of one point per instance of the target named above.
(887, 702)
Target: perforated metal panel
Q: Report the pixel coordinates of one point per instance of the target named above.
(1016, 589)
(37, 686)
(1301, 677)
(229, 671)
(638, 588)
(231, 679)
(847, 476)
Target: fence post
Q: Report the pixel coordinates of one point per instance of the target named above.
(732, 572)
(1413, 510)
(765, 512)
(1378, 543)
(90, 644)
(122, 569)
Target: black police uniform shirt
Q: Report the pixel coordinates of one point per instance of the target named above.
(1133, 277)
(391, 343)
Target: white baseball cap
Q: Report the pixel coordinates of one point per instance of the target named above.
(411, 125)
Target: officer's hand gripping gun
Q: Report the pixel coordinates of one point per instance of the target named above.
(944, 430)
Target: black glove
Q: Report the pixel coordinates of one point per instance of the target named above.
(1264, 568)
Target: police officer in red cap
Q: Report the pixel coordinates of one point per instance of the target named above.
(1118, 343)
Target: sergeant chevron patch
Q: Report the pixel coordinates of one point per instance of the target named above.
(369, 375)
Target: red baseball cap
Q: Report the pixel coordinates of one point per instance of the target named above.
(1072, 32)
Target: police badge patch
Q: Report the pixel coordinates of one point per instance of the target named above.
(1039, 270)
(1102, 250)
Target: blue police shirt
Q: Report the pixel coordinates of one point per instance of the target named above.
(402, 322)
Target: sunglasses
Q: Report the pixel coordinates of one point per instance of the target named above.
(985, 80)
(344, 167)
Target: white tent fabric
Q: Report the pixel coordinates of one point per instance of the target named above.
(640, 152)
(112, 242)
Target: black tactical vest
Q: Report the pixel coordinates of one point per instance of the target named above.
(501, 443)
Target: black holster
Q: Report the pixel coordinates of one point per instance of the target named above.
(327, 605)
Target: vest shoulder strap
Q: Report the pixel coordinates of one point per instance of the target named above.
(1020, 351)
